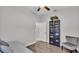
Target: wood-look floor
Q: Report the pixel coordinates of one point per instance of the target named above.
(44, 47)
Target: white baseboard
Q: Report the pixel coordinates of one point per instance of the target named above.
(34, 42)
(31, 43)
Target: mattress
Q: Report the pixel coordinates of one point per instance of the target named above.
(18, 47)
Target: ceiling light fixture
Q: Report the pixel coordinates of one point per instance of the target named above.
(45, 7)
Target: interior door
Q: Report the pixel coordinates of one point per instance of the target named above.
(41, 31)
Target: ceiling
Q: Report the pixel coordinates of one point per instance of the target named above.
(43, 11)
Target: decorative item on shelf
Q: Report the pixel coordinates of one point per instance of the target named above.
(54, 18)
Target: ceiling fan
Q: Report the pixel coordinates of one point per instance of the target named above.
(45, 7)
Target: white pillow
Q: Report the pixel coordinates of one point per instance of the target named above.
(5, 49)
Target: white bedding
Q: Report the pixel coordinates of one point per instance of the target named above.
(18, 47)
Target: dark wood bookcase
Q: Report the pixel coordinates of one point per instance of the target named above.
(54, 32)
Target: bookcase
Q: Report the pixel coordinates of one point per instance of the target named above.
(54, 32)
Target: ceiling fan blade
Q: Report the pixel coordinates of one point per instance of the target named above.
(46, 8)
(38, 9)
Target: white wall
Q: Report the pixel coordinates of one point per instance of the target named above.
(0, 19)
(69, 21)
(17, 23)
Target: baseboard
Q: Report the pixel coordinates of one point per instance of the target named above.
(31, 43)
(34, 42)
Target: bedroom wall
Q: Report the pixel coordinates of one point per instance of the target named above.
(0, 22)
(78, 22)
(17, 23)
(69, 22)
